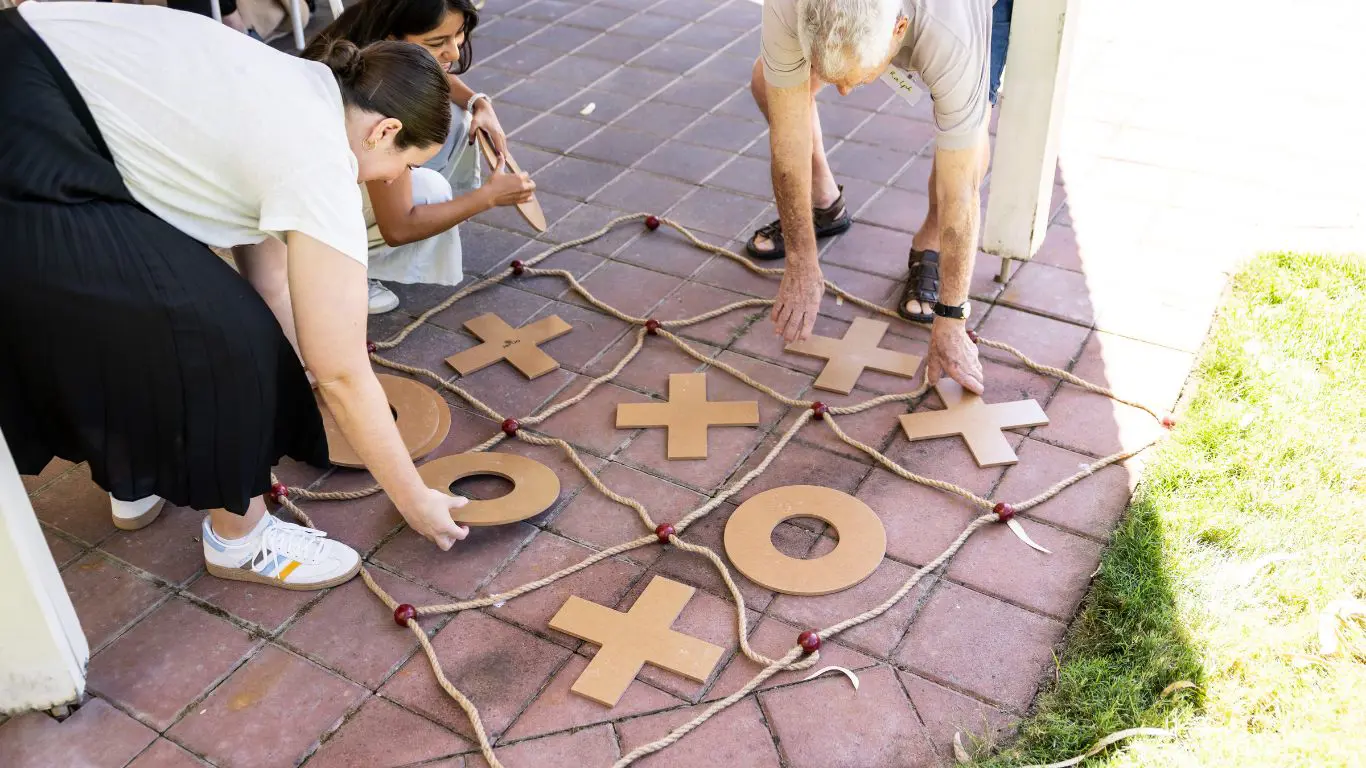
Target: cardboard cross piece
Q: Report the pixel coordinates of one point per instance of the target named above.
(688, 415)
(979, 423)
(516, 345)
(849, 356)
(627, 641)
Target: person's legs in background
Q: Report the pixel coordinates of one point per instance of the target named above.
(1000, 42)
(231, 17)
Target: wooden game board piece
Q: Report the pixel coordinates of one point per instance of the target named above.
(535, 487)
(688, 415)
(628, 641)
(530, 210)
(422, 416)
(849, 356)
(516, 345)
(749, 540)
(979, 423)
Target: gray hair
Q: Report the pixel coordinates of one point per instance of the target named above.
(840, 35)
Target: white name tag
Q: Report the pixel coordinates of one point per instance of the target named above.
(904, 83)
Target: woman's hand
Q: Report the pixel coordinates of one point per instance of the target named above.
(484, 119)
(505, 188)
(429, 513)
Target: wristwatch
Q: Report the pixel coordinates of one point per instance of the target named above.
(953, 312)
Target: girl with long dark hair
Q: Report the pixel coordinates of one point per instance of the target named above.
(412, 222)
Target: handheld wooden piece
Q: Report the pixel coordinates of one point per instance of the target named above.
(849, 356)
(749, 540)
(516, 345)
(530, 210)
(979, 423)
(688, 415)
(422, 416)
(630, 640)
(535, 487)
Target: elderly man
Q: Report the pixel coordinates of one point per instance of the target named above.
(950, 44)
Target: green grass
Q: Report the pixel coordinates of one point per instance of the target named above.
(1251, 519)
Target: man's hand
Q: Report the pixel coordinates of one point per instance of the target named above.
(484, 119)
(954, 355)
(799, 300)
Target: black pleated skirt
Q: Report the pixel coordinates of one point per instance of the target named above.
(125, 343)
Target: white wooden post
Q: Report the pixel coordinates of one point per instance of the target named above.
(1033, 91)
(43, 653)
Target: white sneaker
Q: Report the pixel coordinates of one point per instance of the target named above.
(381, 299)
(282, 555)
(132, 515)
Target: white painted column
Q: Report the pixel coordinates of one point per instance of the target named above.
(43, 653)
(1033, 92)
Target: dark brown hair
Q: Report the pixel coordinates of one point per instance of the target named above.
(370, 21)
(393, 79)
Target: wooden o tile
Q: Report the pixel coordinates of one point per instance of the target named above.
(979, 423)
(535, 487)
(749, 540)
(422, 416)
(519, 346)
(627, 641)
(849, 356)
(688, 415)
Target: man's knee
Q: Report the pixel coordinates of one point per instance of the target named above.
(430, 187)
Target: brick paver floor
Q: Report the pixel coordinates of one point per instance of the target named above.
(188, 670)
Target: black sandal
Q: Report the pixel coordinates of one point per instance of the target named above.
(829, 221)
(922, 284)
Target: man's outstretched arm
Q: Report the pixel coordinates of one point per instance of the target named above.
(799, 294)
(958, 179)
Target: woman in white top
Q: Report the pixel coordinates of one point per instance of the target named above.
(131, 139)
(412, 223)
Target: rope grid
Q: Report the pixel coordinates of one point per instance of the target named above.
(796, 658)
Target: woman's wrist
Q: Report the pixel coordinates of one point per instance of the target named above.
(472, 105)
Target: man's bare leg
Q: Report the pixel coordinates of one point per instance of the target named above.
(927, 238)
(824, 190)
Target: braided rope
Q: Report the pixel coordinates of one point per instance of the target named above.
(794, 659)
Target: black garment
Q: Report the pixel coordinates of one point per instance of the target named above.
(124, 342)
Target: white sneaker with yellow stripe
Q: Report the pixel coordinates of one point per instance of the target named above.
(282, 555)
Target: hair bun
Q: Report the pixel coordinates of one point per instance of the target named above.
(344, 58)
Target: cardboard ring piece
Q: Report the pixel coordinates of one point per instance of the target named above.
(749, 543)
(422, 416)
(530, 210)
(535, 487)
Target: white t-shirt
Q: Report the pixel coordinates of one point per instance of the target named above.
(225, 138)
(947, 44)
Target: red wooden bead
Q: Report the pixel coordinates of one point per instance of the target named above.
(820, 409)
(1004, 511)
(652, 223)
(403, 613)
(371, 347)
(518, 267)
(510, 426)
(279, 491)
(972, 335)
(809, 641)
(652, 326)
(1168, 421)
(664, 531)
